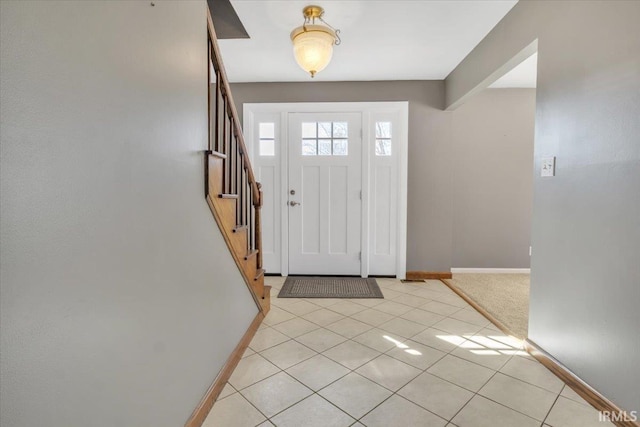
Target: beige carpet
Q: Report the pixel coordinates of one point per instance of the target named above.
(505, 296)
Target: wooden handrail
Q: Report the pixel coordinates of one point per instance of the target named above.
(221, 78)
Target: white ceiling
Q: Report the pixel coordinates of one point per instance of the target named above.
(381, 39)
(523, 75)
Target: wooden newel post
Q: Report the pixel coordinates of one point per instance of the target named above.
(258, 207)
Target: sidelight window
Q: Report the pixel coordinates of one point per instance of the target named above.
(267, 133)
(383, 138)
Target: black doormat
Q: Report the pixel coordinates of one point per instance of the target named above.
(329, 287)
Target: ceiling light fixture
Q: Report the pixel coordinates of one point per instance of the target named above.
(313, 43)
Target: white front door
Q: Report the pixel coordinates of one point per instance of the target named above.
(325, 193)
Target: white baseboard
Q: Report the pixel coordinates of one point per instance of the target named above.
(492, 270)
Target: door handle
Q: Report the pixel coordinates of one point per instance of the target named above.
(292, 203)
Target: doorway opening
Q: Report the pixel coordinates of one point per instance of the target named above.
(493, 139)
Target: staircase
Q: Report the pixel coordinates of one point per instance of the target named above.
(231, 189)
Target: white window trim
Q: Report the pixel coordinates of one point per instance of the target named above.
(401, 143)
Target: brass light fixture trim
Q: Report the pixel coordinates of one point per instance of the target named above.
(313, 42)
(311, 12)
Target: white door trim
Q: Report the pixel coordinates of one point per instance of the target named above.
(366, 109)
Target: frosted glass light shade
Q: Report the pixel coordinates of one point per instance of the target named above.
(313, 48)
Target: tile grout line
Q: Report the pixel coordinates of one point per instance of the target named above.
(313, 392)
(551, 408)
(395, 393)
(477, 393)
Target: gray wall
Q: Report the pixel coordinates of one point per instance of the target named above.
(429, 183)
(492, 179)
(585, 288)
(119, 299)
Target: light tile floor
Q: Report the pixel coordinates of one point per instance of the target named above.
(420, 357)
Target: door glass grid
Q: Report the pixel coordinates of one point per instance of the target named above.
(325, 138)
(383, 138)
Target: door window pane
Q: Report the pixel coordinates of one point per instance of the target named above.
(309, 147)
(340, 129)
(340, 147)
(267, 130)
(383, 147)
(309, 130)
(267, 147)
(324, 130)
(383, 130)
(324, 147)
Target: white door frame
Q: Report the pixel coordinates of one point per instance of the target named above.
(367, 109)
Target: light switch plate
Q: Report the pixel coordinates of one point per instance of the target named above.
(548, 166)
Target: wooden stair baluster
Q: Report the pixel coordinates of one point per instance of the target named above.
(217, 109)
(258, 231)
(225, 149)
